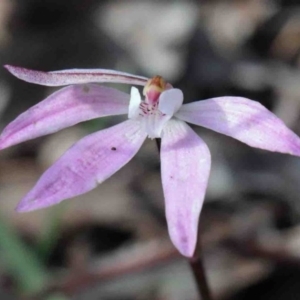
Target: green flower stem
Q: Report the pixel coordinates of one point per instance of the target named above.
(198, 270)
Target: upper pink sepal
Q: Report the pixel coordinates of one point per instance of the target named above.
(243, 119)
(185, 168)
(75, 76)
(62, 109)
(85, 165)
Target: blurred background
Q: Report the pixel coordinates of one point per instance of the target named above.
(112, 243)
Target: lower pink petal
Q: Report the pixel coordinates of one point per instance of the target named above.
(85, 165)
(185, 167)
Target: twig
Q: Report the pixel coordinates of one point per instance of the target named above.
(153, 253)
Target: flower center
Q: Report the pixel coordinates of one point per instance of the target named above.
(153, 88)
(160, 103)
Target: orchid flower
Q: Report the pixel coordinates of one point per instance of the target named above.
(185, 158)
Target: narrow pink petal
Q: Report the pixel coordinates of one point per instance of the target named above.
(75, 76)
(185, 167)
(62, 109)
(85, 165)
(244, 120)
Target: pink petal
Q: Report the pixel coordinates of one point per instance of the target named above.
(62, 109)
(75, 76)
(185, 167)
(243, 119)
(85, 165)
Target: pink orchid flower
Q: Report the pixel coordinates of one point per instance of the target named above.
(185, 158)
